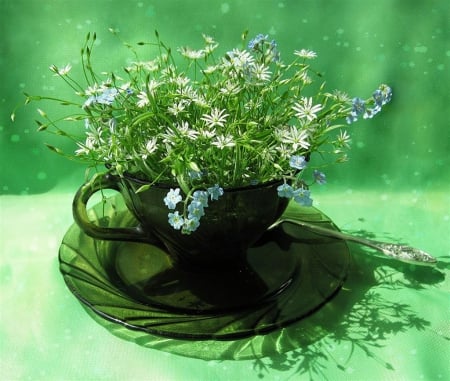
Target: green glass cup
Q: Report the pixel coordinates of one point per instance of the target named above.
(229, 227)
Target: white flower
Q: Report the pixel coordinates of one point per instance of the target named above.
(304, 53)
(178, 132)
(150, 147)
(185, 130)
(207, 134)
(177, 108)
(230, 88)
(304, 77)
(143, 99)
(181, 80)
(216, 118)
(85, 148)
(305, 109)
(63, 71)
(295, 137)
(210, 69)
(151, 86)
(150, 66)
(191, 54)
(343, 139)
(223, 141)
(208, 39)
(261, 72)
(93, 90)
(284, 151)
(199, 100)
(237, 61)
(125, 87)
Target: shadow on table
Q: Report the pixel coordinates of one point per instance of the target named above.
(360, 316)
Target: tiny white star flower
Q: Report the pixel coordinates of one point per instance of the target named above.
(208, 39)
(207, 134)
(87, 147)
(181, 81)
(177, 108)
(185, 130)
(216, 118)
(150, 147)
(151, 86)
(297, 138)
(237, 60)
(223, 141)
(343, 139)
(63, 71)
(305, 53)
(191, 54)
(210, 69)
(143, 99)
(261, 72)
(305, 109)
(230, 88)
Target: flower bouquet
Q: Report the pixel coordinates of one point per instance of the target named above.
(206, 149)
(203, 123)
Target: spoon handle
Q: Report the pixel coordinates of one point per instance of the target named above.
(400, 252)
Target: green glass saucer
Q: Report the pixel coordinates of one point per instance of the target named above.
(286, 276)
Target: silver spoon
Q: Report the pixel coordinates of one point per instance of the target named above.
(400, 252)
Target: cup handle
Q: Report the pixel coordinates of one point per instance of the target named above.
(79, 205)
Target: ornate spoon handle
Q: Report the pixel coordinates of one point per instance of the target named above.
(400, 252)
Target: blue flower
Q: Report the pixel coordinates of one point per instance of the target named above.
(382, 95)
(297, 162)
(89, 101)
(201, 197)
(172, 198)
(175, 220)
(378, 97)
(285, 190)
(274, 51)
(195, 209)
(319, 177)
(358, 108)
(194, 175)
(215, 192)
(371, 112)
(350, 119)
(190, 225)
(254, 43)
(302, 197)
(107, 97)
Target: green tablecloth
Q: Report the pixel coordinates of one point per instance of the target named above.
(390, 321)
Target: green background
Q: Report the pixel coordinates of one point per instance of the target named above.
(359, 44)
(395, 186)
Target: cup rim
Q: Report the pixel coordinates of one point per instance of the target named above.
(266, 184)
